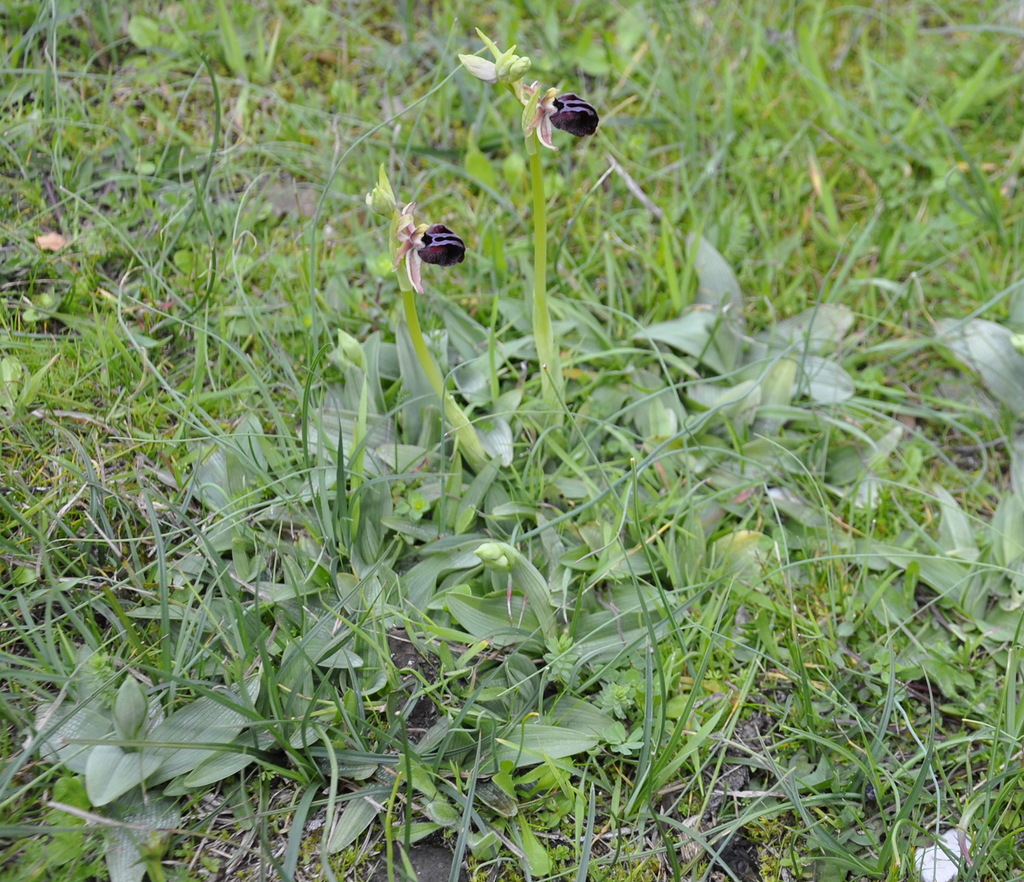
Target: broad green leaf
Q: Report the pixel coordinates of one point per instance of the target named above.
(987, 348)
(948, 577)
(487, 618)
(357, 815)
(210, 771)
(144, 817)
(742, 551)
(1007, 531)
(718, 284)
(148, 33)
(778, 383)
(824, 381)
(532, 743)
(483, 846)
(12, 374)
(442, 812)
(704, 334)
(144, 32)
(479, 166)
(473, 496)
(374, 504)
(207, 721)
(814, 331)
(496, 437)
(111, 772)
(737, 403)
(1017, 467)
(72, 725)
(497, 798)
(656, 421)
(956, 536)
(420, 583)
(580, 716)
(536, 854)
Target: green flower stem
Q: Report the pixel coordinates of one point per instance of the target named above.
(552, 382)
(467, 440)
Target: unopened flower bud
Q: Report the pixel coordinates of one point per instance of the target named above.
(347, 353)
(511, 68)
(495, 556)
(507, 67)
(381, 199)
(481, 68)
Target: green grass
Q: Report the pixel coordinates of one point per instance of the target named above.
(755, 583)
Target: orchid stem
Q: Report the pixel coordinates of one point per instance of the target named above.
(466, 438)
(552, 383)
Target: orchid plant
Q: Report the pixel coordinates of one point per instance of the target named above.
(411, 246)
(542, 111)
(414, 244)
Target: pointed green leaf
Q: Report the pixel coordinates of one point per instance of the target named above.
(210, 771)
(533, 743)
(357, 815)
(207, 721)
(111, 772)
(987, 347)
(823, 381)
(71, 725)
(704, 334)
(718, 284)
(144, 817)
(536, 854)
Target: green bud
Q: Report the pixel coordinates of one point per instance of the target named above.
(479, 67)
(496, 556)
(507, 67)
(129, 710)
(381, 199)
(348, 352)
(511, 68)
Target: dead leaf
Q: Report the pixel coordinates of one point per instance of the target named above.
(51, 241)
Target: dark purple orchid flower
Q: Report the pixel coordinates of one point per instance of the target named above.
(441, 246)
(567, 112)
(574, 115)
(418, 244)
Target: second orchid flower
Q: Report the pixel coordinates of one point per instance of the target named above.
(541, 111)
(414, 244)
(423, 243)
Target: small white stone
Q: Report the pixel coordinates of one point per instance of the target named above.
(941, 862)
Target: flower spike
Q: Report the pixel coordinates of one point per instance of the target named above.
(567, 111)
